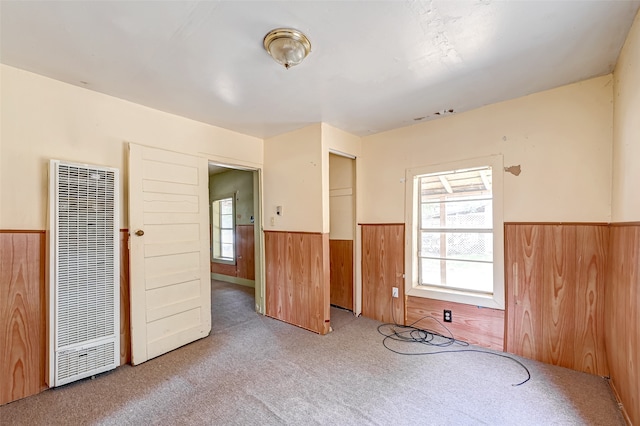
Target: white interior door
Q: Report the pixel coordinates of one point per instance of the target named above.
(169, 251)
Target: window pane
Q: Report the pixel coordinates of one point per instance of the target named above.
(468, 213)
(227, 250)
(226, 236)
(223, 233)
(471, 276)
(226, 221)
(457, 245)
(226, 206)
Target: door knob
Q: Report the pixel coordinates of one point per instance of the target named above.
(139, 232)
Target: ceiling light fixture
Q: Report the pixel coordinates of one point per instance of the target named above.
(287, 46)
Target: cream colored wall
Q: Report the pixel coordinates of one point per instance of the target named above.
(293, 179)
(43, 118)
(561, 138)
(341, 141)
(341, 198)
(626, 130)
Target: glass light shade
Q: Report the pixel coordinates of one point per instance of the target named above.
(286, 46)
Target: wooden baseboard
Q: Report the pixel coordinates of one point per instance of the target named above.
(233, 280)
(627, 419)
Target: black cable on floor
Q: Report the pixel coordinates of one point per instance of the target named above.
(413, 334)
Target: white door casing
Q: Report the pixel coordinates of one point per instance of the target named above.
(170, 283)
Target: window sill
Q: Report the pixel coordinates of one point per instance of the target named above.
(457, 296)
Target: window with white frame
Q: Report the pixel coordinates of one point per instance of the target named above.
(457, 233)
(455, 245)
(223, 229)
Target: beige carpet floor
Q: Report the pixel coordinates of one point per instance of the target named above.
(254, 370)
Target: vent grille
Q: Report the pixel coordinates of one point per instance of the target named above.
(83, 362)
(84, 271)
(86, 254)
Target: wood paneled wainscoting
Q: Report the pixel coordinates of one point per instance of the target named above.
(23, 345)
(22, 314)
(125, 313)
(555, 286)
(555, 282)
(245, 252)
(382, 269)
(622, 317)
(473, 324)
(341, 273)
(297, 278)
(245, 266)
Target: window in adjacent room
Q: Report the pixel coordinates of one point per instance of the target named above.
(222, 227)
(457, 237)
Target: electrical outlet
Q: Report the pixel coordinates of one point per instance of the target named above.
(394, 291)
(447, 315)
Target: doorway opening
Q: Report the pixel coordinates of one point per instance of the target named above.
(235, 232)
(342, 230)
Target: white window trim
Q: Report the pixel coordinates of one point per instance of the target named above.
(222, 259)
(495, 300)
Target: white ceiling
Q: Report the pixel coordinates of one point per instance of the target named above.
(374, 66)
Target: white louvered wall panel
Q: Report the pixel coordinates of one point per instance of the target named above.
(84, 271)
